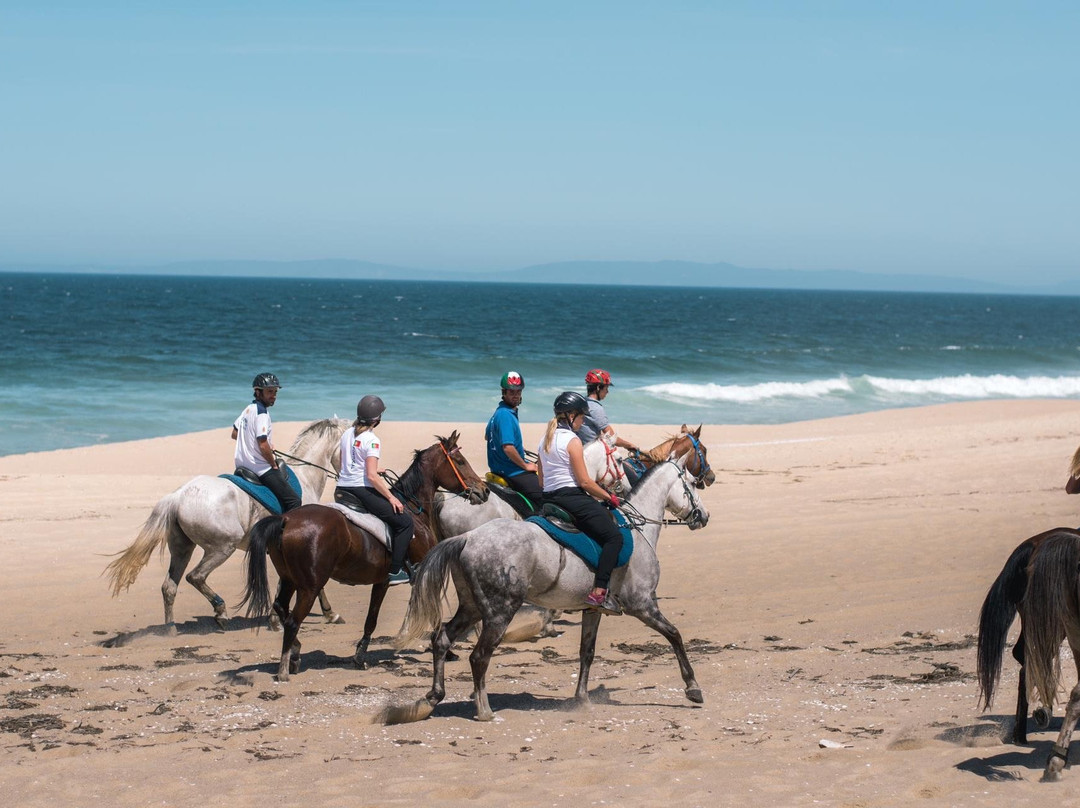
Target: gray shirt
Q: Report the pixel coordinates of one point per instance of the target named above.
(595, 422)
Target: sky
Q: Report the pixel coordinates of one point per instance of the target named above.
(933, 138)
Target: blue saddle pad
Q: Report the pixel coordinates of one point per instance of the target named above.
(263, 495)
(583, 546)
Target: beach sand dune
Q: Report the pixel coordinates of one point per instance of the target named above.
(833, 597)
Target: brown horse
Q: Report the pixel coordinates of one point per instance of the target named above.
(314, 543)
(687, 442)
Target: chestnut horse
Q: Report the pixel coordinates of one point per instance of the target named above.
(314, 543)
(687, 442)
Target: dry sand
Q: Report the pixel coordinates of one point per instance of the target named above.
(833, 596)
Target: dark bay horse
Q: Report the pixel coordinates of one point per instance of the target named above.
(314, 543)
(1051, 614)
(1003, 602)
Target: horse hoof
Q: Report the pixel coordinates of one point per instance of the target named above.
(361, 662)
(170, 629)
(451, 657)
(222, 624)
(335, 619)
(294, 666)
(694, 694)
(485, 716)
(1041, 716)
(273, 623)
(1051, 775)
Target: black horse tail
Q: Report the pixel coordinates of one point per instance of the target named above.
(997, 615)
(429, 581)
(1050, 601)
(264, 534)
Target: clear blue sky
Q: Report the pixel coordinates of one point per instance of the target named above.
(916, 137)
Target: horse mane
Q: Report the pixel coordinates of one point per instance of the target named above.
(1074, 467)
(317, 431)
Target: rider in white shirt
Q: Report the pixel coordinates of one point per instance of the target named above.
(252, 432)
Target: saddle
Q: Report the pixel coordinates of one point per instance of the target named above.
(521, 504)
(349, 501)
(248, 482)
(368, 522)
(557, 523)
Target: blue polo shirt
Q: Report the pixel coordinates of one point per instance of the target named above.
(503, 428)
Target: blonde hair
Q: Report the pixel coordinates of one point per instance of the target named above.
(554, 424)
(359, 426)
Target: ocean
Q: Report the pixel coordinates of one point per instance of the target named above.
(91, 359)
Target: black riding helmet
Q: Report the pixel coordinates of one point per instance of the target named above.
(264, 381)
(369, 409)
(570, 403)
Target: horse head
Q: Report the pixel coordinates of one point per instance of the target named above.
(683, 500)
(455, 474)
(688, 444)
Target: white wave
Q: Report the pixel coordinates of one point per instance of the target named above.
(968, 386)
(742, 394)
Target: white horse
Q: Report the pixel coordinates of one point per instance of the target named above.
(214, 514)
(457, 515)
(504, 563)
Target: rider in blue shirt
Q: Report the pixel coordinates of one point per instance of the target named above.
(505, 450)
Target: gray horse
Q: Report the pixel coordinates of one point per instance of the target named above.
(214, 514)
(504, 563)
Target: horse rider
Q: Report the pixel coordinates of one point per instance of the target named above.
(567, 484)
(597, 386)
(505, 451)
(254, 449)
(359, 476)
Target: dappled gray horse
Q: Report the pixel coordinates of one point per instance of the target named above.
(505, 563)
(214, 514)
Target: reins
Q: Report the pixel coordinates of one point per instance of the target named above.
(331, 474)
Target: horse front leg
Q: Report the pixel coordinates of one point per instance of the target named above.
(1020, 725)
(590, 625)
(290, 644)
(654, 619)
(328, 613)
(378, 592)
(1059, 753)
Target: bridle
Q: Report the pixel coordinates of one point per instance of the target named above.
(690, 518)
(613, 468)
(450, 459)
(703, 465)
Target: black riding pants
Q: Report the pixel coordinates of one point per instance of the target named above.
(400, 524)
(594, 520)
(528, 483)
(275, 480)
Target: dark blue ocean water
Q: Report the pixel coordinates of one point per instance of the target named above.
(99, 358)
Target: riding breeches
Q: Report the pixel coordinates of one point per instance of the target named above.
(594, 520)
(528, 483)
(276, 482)
(400, 524)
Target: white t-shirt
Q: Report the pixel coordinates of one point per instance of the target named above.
(556, 461)
(253, 423)
(355, 450)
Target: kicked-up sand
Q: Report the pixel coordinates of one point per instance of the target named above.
(829, 609)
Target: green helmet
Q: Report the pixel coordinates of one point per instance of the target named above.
(512, 380)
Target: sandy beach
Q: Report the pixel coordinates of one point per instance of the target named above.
(833, 596)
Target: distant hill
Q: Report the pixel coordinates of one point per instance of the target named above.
(634, 273)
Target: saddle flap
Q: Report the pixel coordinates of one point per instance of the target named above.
(557, 516)
(248, 474)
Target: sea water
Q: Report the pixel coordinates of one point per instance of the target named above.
(98, 358)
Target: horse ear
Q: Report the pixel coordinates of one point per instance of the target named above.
(453, 439)
(697, 432)
(684, 429)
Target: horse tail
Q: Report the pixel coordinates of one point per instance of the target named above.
(425, 603)
(1050, 600)
(997, 615)
(264, 534)
(123, 571)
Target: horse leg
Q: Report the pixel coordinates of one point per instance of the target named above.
(211, 560)
(590, 624)
(328, 613)
(1020, 726)
(491, 633)
(281, 604)
(1059, 753)
(654, 619)
(441, 641)
(290, 644)
(180, 551)
(378, 592)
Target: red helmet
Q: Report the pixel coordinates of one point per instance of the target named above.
(597, 376)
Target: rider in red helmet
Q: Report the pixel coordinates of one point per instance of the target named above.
(597, 385)
(254, 449)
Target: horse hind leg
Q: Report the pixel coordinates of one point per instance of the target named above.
(211, 560)
(329, 615)
(378, 593)
(290, 644)
(441, 642)
(590, 625)
(654, 619)
(181, 549)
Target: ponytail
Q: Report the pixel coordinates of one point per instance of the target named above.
(553, 424)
